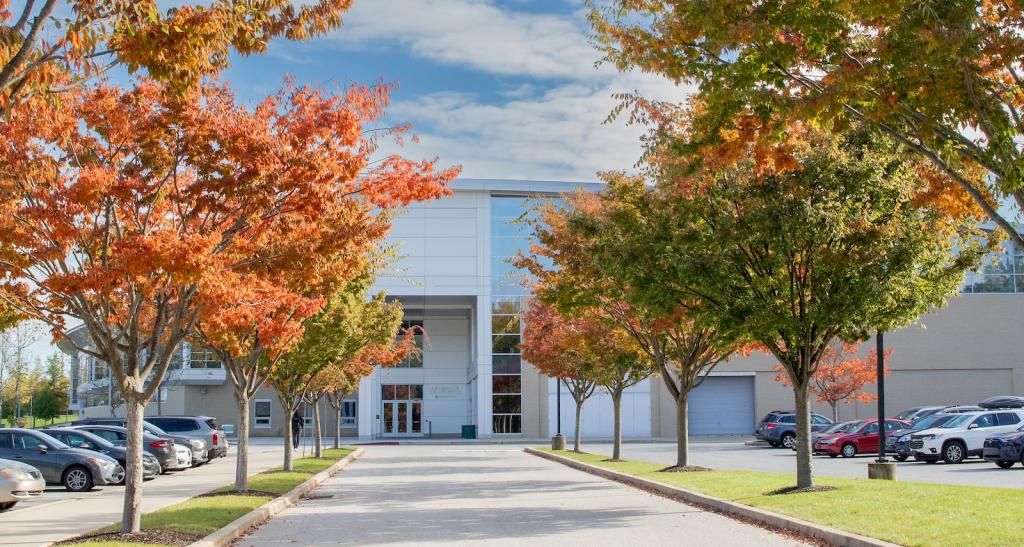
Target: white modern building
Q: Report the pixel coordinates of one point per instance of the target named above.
(453, 279)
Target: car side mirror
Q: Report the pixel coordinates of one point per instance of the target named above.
(41, 448)
(86, 446)
(972, 426)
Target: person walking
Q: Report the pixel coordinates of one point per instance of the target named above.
(296, 428)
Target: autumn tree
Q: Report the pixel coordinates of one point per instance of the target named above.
(126, 208)
(795, 261)
(841, 376)
(337, 382)
(942, 78)
(48, 47)
(555, 346)
(572, 277)
(353, 330)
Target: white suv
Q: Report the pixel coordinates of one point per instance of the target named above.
(962, 436)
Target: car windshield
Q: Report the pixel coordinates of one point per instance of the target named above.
(955, 421)
(906, 414)
(121, 443)
(96, 440)
(154, 429)
(844, 427)
(53, 442)
(931, 421)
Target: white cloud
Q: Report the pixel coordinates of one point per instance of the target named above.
(477, 34)
(559, 134)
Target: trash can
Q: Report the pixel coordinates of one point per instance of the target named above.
(469, 432)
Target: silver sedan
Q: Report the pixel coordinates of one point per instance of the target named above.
(18, 481)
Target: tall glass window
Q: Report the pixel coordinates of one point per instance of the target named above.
(415, 359)
(508, 236)
(1000, 272)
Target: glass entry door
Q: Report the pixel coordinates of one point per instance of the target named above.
(402, 413)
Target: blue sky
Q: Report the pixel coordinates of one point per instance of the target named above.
(507, 89)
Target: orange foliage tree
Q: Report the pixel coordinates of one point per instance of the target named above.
(841, 376)
(128, 210)
(47, 46)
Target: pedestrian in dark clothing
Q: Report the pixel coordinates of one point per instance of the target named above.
(296, 428)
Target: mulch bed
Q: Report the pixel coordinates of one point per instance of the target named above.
(798, 490)
(242, 493)
(683, 469)
(161, 537)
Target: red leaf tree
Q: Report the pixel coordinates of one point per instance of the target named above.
(841, 376)
(129, 210)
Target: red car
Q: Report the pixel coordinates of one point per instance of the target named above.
(861, 440)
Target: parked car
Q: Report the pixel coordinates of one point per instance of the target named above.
(79, 438)
(78, 470)
(196, 444)
(203, 427)
(1005, 449)
(898, 442)
(160, 448)
(834, 428)
(918, 412)
(1002, 401)
(778, 427)
(19, 482)
(963, 436)
(862, 439)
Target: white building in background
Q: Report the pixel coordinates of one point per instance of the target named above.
(453, 279)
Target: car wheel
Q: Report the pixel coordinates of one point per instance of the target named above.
(849, 450)
(7, 505)
(77, 479)
(789, 440)
(901, 457)
(954, 452)
(1005, 464)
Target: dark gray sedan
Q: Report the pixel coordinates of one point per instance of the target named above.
(77, 438)
(78, 470)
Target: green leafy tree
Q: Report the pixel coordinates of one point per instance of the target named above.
(942, 77)
(350, 324)
(795, 261)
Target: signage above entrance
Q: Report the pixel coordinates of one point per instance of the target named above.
(444, 391)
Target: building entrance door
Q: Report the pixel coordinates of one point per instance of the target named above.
(402, 413)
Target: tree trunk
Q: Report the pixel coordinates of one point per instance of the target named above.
(683, 428)
(337, 427)
(317, 439)
(835, 411)
(617, 439)
(131, 516)
(804, 475)
(577, 433)
(289, 455)
(242, 445)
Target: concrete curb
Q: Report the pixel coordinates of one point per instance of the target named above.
(775, 520)
(261, 514)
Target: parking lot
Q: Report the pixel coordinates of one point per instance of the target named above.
(733, 453)
(59, 514)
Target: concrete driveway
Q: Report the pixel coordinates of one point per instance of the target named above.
(59, 514)
(732, 453)
(490, 495)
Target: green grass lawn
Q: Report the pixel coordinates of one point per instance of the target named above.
(907, 513)
(41, 423)
(205, 515)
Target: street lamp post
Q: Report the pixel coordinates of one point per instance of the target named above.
(881, 468)
(558, 441)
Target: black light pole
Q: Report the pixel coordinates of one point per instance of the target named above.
(880, 350)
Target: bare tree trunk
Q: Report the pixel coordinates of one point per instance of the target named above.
(682, 428)
(131, 516)
(317, 439)
(289, 455)
(337, 426)
(835, 411)
(577, 431)
(617, 410)
(804, 474)
(242, 446)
